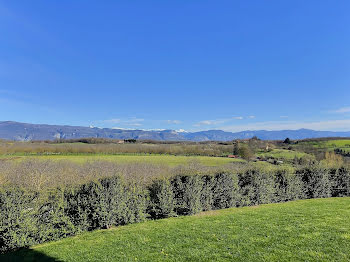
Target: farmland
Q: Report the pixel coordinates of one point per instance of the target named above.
(172, 153)
(282, 154)
(328, 144)
(51, 191)
(318, 147)
(174, 131)
(305, 230)
(169, 160)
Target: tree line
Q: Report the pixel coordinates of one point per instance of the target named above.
(29, 216)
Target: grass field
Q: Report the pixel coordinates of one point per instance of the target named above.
(329, 144)
(170, 160)
(324, 146)
(334, 143)
(340, 144)
(282, 154)
(306, 230)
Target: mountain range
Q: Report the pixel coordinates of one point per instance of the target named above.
(11, 130)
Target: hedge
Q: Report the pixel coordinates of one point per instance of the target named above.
(28, 217)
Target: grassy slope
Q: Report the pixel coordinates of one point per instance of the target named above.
(153, 159)
(329, 145)
(307, 230)
(341, 144)
(334, 143)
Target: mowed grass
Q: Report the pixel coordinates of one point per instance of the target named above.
(170, 160)
(305, 230)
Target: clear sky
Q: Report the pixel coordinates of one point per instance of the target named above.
(193, 65)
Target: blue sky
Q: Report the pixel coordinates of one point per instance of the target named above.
(192, 65)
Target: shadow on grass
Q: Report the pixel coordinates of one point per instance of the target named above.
(26, 255)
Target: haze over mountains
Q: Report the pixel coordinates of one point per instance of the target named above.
(26, 132)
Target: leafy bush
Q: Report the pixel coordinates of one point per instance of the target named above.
(104, 203)
(225, 191)
(29, 216)
(288, 186)
(51, 220)
(256, 188)
(187, 193)
(17, 214)
(207, 194)
(340, 182)
(162, 202)
(316, 182)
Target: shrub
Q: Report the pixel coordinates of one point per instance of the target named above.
(161, 204)
(29, 217)
(17, 216)
(207, 194)
(288, 186)
(107, 202)
(340, 182)
(316, 182)
(187, 190)
(51, 221)
(225, 191)
(136, 205)
(256, 188)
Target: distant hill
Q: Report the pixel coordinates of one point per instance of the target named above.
(26, 132)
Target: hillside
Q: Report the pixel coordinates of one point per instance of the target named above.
(306, 230)
(25, 132)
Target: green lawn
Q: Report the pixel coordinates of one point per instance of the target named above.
(170, 160)
(306, 230)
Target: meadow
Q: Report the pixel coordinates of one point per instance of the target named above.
(333, 143)
(282, 154)
(170, 160)
(303, 230)
(328, 145)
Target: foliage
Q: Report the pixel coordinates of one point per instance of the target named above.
(112, 147)
(333, 160)
(244, 150)
(287, 141)
(282, 154)
(256, 188)
(307, 230)
(316, 182)
(31, 215)
(162, 202)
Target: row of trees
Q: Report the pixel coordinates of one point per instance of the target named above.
(30, 216)
(342, 152)
(129, 147)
